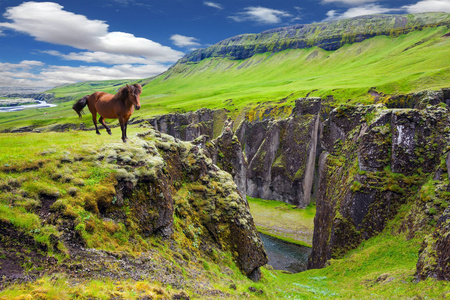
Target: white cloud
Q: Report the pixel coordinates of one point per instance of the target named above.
(19, 74)
(332, 15)
(213, 4)
(369, 9)
(35, 73)
(365, 10)
(102, 57)
(421, 6)
(48, 22)
(184, 41)
(348, 2)
(260, 15)
(429, 6)
(65, 74)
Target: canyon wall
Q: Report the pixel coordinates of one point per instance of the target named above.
(360, 164)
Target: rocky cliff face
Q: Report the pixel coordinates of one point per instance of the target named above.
(375, 160)
(281, 154)
(269, 159)
(154, 190)
(361, 163)
(327, 35)
(434, 256)
(191, 125)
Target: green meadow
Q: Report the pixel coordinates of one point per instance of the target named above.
(392, 65)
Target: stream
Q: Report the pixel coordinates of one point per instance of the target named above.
(284, 255)
(40, 104)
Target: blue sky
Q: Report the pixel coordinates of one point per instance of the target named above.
(52, 43)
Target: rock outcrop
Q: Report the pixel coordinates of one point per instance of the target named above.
(226, 152)
(152, 173)
(282, 154)
(373, 159)
(434, 256)
(191, 125)
(329, 36)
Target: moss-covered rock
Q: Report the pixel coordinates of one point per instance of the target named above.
(188, 126)
(434, 256)
(282, 153)
(226, 152)
(211, 210)
(379, 159)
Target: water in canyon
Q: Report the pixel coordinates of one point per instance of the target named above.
(284, 255)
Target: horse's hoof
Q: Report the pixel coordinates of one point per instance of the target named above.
(98, 133)
(109, 132)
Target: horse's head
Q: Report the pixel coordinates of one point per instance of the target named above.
(134, 92)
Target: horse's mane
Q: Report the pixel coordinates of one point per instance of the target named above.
(122, 93)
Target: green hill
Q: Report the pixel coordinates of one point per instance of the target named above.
(389, 64)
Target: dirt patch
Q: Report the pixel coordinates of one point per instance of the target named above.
(376, 95)
(21, 257)
(46, 202)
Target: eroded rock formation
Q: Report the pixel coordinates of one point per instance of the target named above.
(282, 154)
(154, 170)
(376, 160)
(361, 164)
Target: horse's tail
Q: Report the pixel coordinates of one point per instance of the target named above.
(79, 105)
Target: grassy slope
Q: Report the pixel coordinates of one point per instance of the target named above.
(327, 35)
(78, 90)
(380, 268)
(405, 64)
(347, 73)
(50, 164)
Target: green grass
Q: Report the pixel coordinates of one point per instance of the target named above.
(380, 268)
(347, 73)
(38, 165)
(283, 221)
(78, 90)
(394, 65)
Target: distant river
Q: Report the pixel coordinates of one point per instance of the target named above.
(40, 104)
(285, 256)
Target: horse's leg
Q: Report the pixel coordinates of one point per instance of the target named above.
(91, 105)
(94, 119)
(123, 127)
(102, 120)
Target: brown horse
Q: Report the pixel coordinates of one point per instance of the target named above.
(119, 106)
